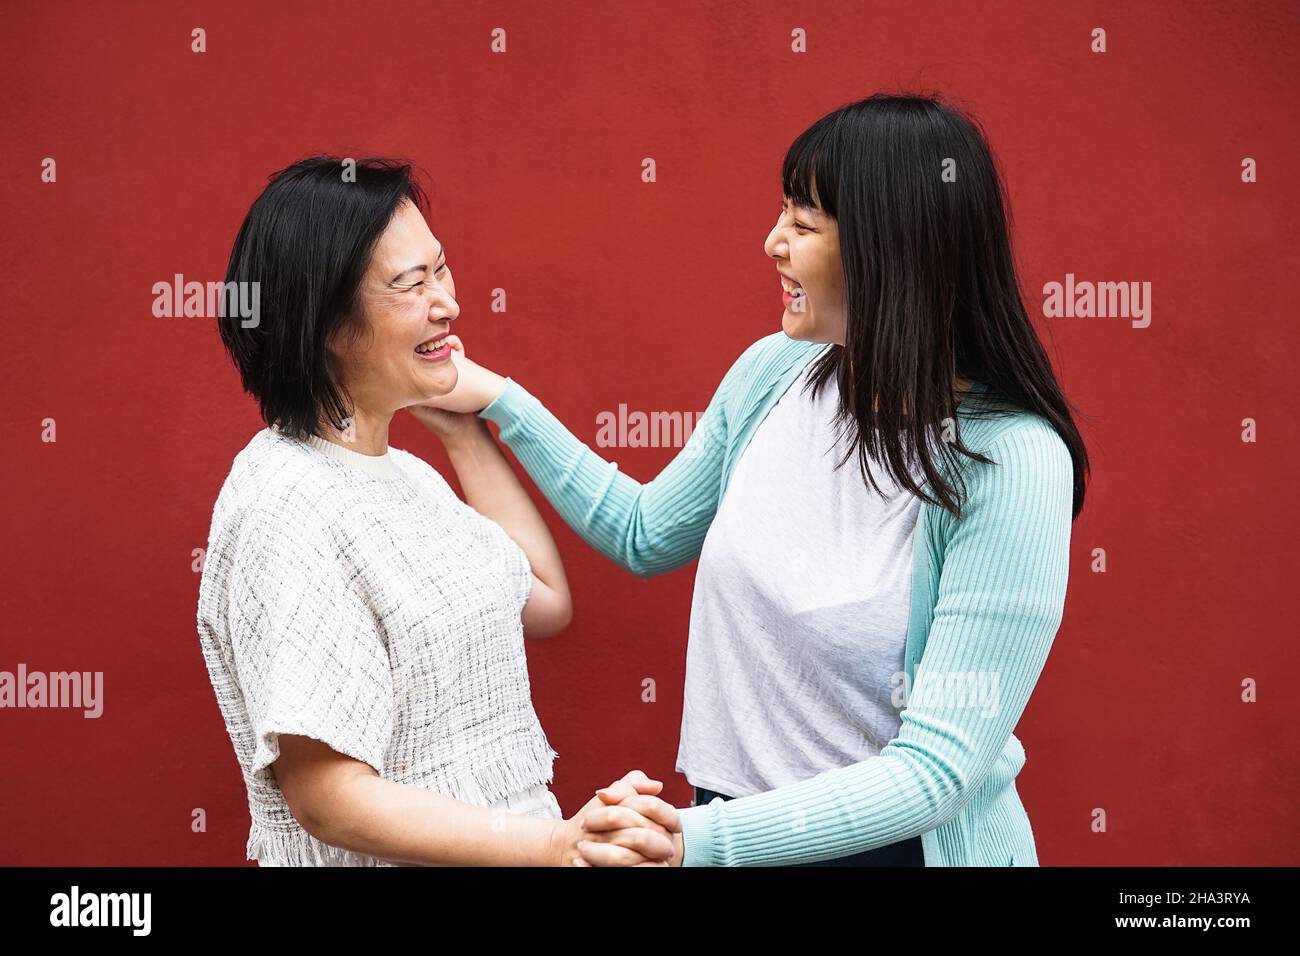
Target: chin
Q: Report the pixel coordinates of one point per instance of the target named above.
(440, 381)
(796, 326)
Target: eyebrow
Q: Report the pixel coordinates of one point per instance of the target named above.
(442, 254)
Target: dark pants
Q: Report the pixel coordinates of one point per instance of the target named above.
(904, 853)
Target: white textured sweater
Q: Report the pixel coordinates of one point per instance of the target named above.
(358, 601)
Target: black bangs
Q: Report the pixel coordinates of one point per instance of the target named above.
(930, 291)
(812, 160)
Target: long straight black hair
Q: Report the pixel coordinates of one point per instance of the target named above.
(930, 285)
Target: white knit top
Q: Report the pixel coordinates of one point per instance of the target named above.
(800, 610)
(357, 600)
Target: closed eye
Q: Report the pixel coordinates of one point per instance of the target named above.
(417, 285)
(800, 227)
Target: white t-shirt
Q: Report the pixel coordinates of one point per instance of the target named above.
(357, 600)
(800, 611)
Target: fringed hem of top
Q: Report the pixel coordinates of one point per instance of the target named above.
(487, 782)
(299, 848)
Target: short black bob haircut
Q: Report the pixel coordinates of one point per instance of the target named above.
(307, 241)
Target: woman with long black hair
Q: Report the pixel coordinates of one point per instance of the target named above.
(863, 640)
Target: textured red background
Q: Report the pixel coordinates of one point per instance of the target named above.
(1123, 166)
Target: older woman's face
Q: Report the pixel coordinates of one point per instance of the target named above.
(408, 302)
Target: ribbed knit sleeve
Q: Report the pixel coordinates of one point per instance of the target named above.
(1001, 595)
(648, 528)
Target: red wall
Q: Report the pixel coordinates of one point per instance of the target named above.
(1122, 167)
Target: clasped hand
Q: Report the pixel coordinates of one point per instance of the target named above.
(625, 824)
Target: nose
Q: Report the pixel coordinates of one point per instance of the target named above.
(444, 307)
(774, 244)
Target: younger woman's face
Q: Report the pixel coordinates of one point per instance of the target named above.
(408, 301)
(805, 242)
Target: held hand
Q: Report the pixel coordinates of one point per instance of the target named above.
(615, 828)
(637, 841)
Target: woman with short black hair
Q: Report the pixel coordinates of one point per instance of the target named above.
(362, 626)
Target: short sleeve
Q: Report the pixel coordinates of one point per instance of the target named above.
(308, 656)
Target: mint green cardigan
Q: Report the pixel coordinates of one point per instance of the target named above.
(988, 593)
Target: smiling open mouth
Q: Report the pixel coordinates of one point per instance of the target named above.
(435, 348)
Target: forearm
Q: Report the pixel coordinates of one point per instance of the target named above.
(947, 744)
(491, 488)
(646, 528)
(404, 824)
(866, 805)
